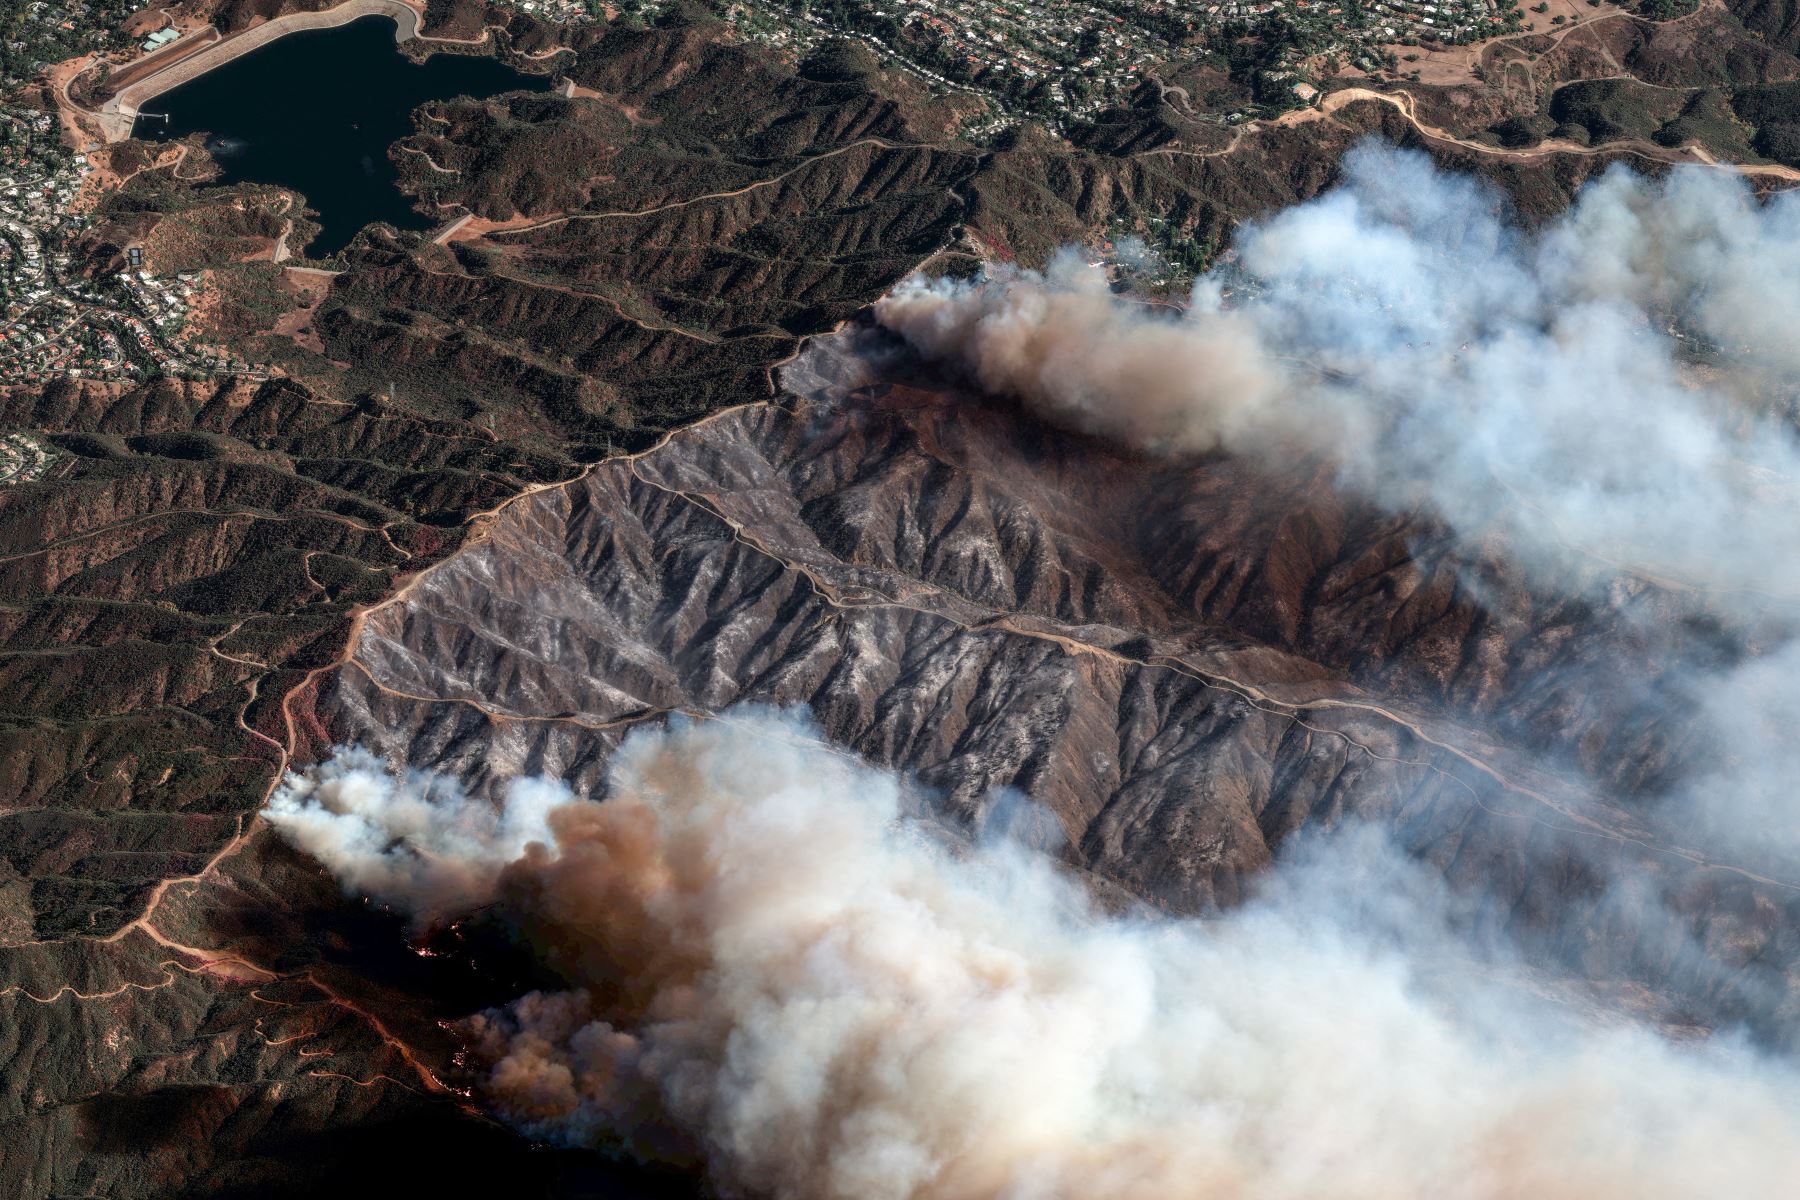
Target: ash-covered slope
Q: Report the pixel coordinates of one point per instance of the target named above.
(1185, 663)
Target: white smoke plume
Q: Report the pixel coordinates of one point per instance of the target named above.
(419, 840)
(1743, 791)
(773, 972)
(1530, 385)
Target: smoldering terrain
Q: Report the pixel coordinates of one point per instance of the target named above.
(1520, 384)
(777, 976)
(1397, 646)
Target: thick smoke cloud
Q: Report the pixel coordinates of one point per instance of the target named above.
(773, 972)
(1743, 791)
(1529, 385)
(419, 840)
(1610, 395)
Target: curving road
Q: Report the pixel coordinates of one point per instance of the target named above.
(1690, 154)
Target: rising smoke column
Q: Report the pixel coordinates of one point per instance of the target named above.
(1523, 384)
(418, 838)
(1610, 396)
(774, 973)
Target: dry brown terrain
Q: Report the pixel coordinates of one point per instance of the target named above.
(1185, 663)
(222, 580)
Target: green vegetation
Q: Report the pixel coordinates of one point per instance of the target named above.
(1768, 103)
(1518, 132)
(1609, 109)
(34, 35)
(1171, 257)
(1707, 119)
(1773, 111)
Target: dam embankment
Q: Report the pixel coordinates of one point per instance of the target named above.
(119, 114)
(281, 116)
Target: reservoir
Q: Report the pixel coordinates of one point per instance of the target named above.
(317, 111)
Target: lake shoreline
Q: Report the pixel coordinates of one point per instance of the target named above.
(118, 116)
(265, 119)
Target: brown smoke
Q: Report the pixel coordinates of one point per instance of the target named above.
(775, 975)
(1084, 359)
(1530, 385)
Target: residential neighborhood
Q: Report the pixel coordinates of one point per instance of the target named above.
(39, 32)
(23, 458)
(1058, 61)
(563, 12)
(1068, 59)
(53, 320)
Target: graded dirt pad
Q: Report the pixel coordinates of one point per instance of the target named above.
(309, 289)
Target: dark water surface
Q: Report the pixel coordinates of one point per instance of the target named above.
(317, 110)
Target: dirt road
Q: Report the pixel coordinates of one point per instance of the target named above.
(1688, 154)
